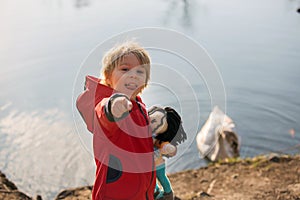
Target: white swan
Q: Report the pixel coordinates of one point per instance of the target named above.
(217, 139)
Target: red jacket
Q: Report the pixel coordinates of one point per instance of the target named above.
(123, 150)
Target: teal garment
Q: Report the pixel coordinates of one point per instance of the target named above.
(157, 189)
(159, 193)
(163, 179)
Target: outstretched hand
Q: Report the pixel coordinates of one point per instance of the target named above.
(120, 105)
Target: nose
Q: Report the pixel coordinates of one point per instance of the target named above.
(132, 74)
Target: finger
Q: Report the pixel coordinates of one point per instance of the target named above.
(127, 104)
(116, 111)
(121, 107)
(118, 108)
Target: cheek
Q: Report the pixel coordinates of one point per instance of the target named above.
(141, 81)
(115, 80)
(142, 77)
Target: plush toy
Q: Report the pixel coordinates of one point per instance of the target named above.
(167, 132)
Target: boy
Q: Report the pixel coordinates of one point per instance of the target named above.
(116, 115)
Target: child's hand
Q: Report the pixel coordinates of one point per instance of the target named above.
(120, 105)
(168, 149)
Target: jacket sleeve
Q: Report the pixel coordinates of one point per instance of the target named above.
(92, 113)
(105, 118)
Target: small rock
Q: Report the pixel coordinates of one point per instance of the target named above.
(65, 193)
(234, 176)
(203, 181)
(6, 184)
(294, 188)
(274, 158)
(8, 190)
(80, 193)
(204, 194)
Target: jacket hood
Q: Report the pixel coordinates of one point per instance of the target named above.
(93, 94)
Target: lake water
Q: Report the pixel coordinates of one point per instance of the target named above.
(255, 45)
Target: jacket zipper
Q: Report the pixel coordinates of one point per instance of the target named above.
(142, 111)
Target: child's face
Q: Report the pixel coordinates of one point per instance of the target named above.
(129, 77)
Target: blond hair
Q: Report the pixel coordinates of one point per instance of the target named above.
(115, 55)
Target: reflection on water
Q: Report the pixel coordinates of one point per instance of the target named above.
(82, 3)
(180, 11)
(40, 151)
(186, 17)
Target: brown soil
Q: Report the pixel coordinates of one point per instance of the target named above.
(265, 177)
(271, 177)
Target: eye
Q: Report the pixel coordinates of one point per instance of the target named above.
(125, 69)
(140, 71)
(153, 120)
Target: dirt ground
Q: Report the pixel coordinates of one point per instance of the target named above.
(270, 177)
(267, 177)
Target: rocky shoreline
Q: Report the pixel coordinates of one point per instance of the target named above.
(8, 190)
(263, 177)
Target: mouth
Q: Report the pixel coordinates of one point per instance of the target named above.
(131, 86)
